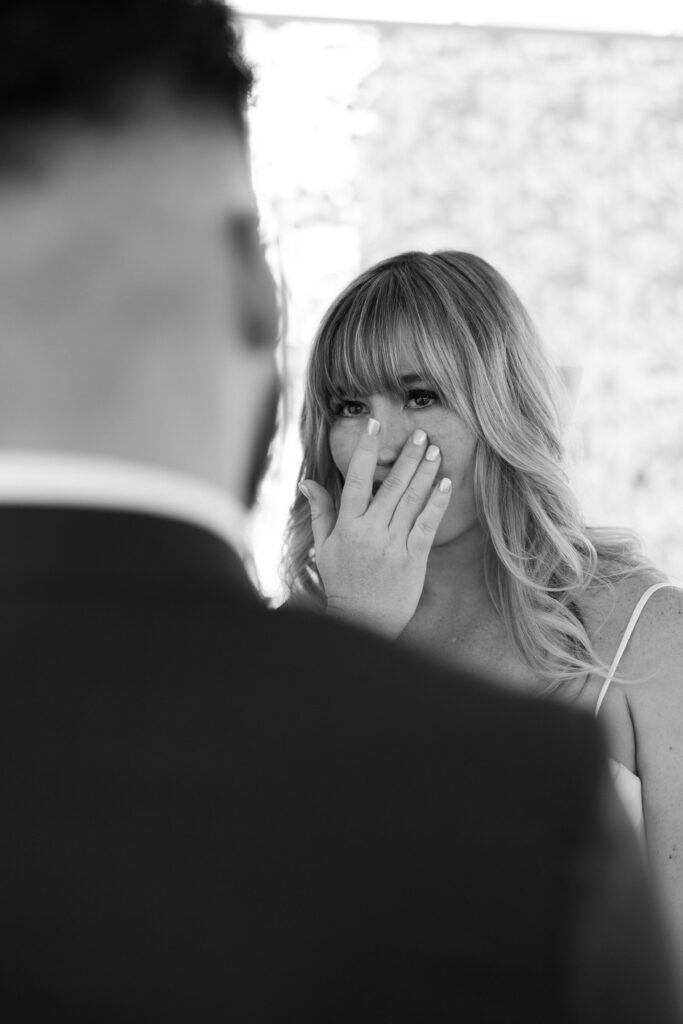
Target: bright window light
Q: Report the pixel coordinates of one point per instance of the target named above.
(656, 17)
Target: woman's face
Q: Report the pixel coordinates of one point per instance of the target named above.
(419, 406)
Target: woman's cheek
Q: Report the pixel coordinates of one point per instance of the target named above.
(457, 457)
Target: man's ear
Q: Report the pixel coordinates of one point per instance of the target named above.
(258, 303)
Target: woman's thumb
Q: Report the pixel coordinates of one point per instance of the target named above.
(322, 511)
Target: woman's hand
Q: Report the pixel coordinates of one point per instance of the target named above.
(372, 560)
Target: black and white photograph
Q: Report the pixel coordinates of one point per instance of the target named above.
(341, 511)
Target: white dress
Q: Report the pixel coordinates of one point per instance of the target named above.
(627, 783)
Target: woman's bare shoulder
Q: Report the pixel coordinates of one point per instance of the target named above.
(653, 657)
(655, 651)
(607, 609)
(648, 689)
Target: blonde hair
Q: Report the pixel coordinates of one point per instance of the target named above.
(461, 326)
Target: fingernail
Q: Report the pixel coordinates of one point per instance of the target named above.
(432, 453)
(373, 427)
(445, 485)
(305, 491)
(419, 437)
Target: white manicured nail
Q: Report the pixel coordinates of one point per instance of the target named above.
(445, 485)
(432, 453)
(373, 427)
(419, 437)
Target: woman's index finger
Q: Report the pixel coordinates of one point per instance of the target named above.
(357, 490)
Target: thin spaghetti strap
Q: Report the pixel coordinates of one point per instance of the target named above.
(633, 621)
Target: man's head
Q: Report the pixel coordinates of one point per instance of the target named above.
(137, 314)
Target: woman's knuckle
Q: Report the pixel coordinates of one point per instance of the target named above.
(412, 497)
(393, 482)
(354, 480)
(425, 527)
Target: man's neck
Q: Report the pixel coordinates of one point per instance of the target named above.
(74, 479)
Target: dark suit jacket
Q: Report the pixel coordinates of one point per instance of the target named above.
(215, 812)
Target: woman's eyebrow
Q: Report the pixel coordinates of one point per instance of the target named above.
(411, 378)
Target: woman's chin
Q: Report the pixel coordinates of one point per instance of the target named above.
(452, 530)
(444, 535)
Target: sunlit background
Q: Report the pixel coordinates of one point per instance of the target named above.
(547, 138)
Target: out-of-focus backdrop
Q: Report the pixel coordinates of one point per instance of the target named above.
(547, 138)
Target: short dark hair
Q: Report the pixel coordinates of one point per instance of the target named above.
(88, 59)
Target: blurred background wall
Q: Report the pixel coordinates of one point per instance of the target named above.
(556, 155)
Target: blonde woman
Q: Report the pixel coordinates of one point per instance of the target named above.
(434, 505)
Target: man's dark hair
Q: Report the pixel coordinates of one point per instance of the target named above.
(89, 59)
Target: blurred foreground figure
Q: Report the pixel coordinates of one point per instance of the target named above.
(211, 811)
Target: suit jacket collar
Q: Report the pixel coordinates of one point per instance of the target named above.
(46, 548)
(75, 479)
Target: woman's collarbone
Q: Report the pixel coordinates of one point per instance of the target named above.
(474, 644)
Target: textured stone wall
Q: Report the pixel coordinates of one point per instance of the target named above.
(557, 157)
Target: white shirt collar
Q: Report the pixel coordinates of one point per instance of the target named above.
(93, 481)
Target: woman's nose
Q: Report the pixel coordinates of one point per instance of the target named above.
(393, 435)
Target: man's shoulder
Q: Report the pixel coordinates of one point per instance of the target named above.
(494, 759)
(408, 679)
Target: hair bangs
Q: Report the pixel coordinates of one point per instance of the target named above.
(373, 341)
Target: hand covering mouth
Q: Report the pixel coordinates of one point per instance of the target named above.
(376, 484)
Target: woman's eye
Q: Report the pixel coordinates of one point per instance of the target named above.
(421, 399)
(350, 408)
